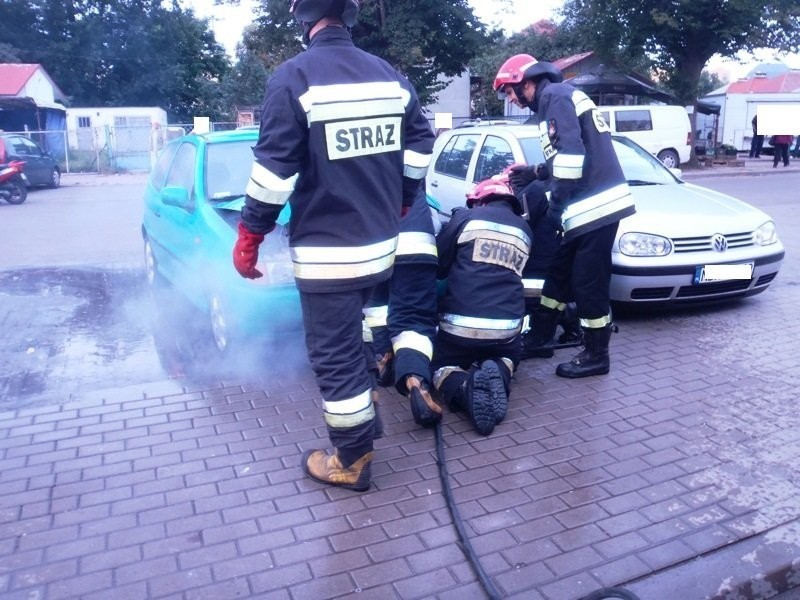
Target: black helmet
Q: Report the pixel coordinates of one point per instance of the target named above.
(311, 11)
(543, 69)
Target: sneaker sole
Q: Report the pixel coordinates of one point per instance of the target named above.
(489, 400)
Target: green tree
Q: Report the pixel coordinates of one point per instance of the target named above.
(708, 83)
(680, 36)
(422, 39)
(122, 53)
(544, 40)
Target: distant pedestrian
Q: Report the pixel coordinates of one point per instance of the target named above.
(758, 140)
(781, 143)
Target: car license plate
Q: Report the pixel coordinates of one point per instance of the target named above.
(710, 273)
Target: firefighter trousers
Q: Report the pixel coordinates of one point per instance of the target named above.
(338, 357)
(581, 269)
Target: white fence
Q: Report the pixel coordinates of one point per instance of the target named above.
(126, 146)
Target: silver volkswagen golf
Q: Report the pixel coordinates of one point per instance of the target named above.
(685, 244)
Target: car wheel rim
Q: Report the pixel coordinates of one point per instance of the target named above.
(56, 178)
(219, 326)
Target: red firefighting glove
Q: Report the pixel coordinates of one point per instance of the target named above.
(245, 252)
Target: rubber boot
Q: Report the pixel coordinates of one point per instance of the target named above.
(594, 359)
(538, 342)
(424, 408)
(486, 397)
(572, 334)
(328, 468)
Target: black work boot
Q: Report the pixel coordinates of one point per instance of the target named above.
(572, 334)
(328, 468)
(424, 408)
(487, 400)
(594, 359)
(538, 342)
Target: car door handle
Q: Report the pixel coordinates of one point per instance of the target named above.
(434, 184)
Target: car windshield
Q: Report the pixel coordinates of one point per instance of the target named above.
(639, 166)
(228, 166)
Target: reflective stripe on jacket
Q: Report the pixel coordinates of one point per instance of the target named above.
(343, 139)
(587, 185)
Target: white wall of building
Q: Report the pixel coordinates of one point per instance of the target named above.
(737, 112)
(40, 88)
(453, 99)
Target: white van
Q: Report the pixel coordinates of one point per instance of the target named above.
(662, 130)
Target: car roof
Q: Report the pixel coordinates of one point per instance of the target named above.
(218, 137)
(514, 129)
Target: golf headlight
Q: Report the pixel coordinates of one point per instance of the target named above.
(644, 244)
(766, 234)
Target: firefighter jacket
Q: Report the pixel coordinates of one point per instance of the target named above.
(343, 138)
(588, 187)
(482, 253)
(416, 245)
(546, 239)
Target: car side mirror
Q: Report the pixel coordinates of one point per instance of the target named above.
(176, 196)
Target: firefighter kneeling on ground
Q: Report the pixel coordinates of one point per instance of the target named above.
(482, 252)
(401, 315)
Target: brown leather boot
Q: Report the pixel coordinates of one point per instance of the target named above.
(425, 409)
(328, 468)
(385, 363)
(377, 424)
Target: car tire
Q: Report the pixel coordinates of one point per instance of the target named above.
(669, 158)
(55, 178)
(18, 193)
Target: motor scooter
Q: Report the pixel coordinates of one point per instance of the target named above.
(13, 188)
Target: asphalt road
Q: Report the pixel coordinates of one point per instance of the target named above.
(78, 317)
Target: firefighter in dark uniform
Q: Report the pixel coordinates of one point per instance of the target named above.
(402, 315)
(343, 134)
(589, 196)
(482, 253)
(546, 241)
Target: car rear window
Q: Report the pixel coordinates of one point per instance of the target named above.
(495, 156)
(228, 166)
(455, 156)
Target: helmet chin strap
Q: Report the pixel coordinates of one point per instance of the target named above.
(307, 27)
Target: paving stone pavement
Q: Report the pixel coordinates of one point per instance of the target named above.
(675, 476)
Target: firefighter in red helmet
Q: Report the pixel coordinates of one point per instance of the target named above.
(343, 138)
(588, 197)
(482, 253)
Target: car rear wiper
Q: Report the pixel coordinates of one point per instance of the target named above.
(642, 182)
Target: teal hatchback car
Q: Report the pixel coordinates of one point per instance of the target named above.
(192, 206)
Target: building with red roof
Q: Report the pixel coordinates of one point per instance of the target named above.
(740, 102)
